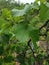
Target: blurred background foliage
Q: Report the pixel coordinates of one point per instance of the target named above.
(19, 23)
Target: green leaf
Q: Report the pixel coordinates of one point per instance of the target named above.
(6, 14)
(20, 30)
(2, 22)
(42, 1)
(44, 12)
(34, 33)
(24, 11)
(17, 12)
(47, 4)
